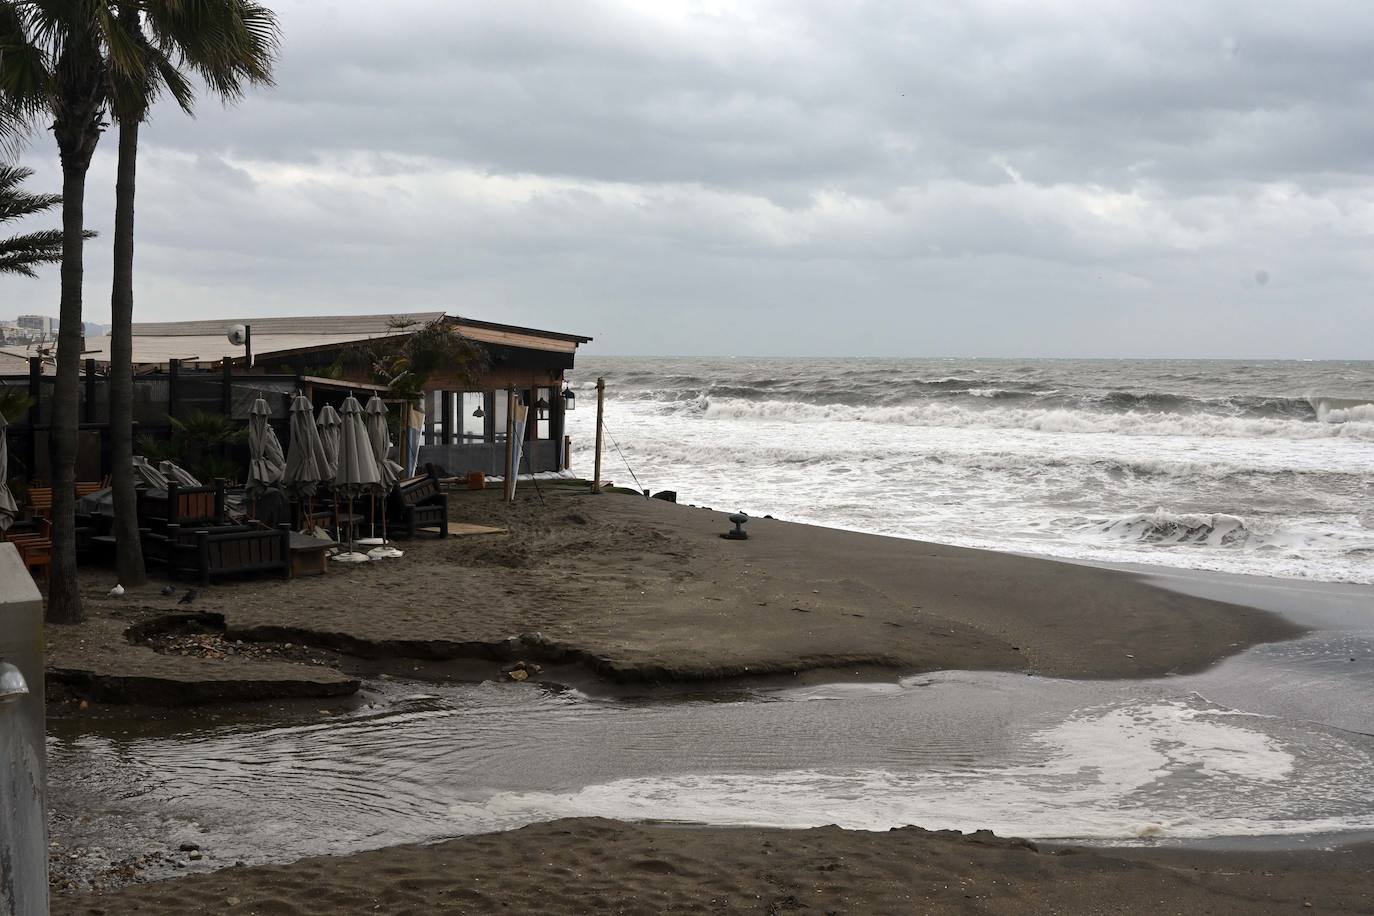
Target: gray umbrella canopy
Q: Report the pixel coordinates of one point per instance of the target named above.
(152, 478)
(8, 508)
(357, 473)
(307, 463)
(330, 424)
(265, 459)
(377, 434)
(175, 472)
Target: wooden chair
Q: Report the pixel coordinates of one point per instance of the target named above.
(182, 506)
(86, 488)
(35, 547)
(418, 503)
(37, 556)
(40, 502)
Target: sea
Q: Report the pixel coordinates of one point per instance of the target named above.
(1244, 466)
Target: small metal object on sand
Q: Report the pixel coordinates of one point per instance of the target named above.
(739, 518)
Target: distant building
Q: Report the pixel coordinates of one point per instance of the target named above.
(42, 324)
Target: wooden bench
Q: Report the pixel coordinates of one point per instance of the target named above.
(418, 503)
(228, 550)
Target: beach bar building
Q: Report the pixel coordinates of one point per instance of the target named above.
(205, 365)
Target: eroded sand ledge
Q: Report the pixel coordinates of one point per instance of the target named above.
(642, 591)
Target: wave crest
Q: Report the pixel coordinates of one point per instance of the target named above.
(1168, 528)
(1057, 419)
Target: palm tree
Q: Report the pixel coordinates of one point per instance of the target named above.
(229, 44)
(74, 58)
(22, 253)
(51, 60)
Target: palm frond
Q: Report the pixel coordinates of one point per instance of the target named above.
(22, 253)
(15, 203)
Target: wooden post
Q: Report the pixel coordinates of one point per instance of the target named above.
(90, 391)
(446, 410)
(173, 378)
(35, 413)
(509, 492)
(600, 408)
(557, 425)
(226, 388)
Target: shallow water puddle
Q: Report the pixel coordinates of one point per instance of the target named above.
(1094, 761)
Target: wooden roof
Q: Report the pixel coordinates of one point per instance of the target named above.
(205, 340)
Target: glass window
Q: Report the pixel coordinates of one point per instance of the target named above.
(542, 424)
(473, 429)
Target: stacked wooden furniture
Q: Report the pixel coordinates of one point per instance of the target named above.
(33, 535)
(186, 530)
(34, 541)
(182, 506)
(210, 552)
(417, 503)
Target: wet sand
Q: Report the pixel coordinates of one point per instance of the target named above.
(643, 591)
(598, 866)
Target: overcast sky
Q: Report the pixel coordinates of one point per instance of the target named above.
(992, 178)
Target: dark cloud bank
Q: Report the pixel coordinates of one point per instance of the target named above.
(886, 178)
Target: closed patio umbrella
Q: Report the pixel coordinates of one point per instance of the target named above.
(8, 508)
(357, 473)
(175, 472)
(152, 478)
(265, 459)
(306, 461)
(330, 424)
(388, 470)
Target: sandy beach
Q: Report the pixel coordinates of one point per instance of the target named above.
(630, 590)
(617, 592)
(598, 866)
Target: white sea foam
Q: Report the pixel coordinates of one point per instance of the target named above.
(1143, 482)
(1139, 769)
(1354, 423)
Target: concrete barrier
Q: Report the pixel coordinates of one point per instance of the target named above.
(23, 821)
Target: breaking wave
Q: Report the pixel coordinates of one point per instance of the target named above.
(1161, 527)
(1355, 422)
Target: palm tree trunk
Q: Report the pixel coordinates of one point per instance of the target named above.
(64, 595)
(128, 550)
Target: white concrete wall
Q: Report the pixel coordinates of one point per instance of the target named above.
(23, 822)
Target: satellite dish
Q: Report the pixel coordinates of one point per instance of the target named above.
(237, 334)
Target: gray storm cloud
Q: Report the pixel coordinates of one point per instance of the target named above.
(996, 178)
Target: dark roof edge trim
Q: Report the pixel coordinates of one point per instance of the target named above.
(536, 332)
